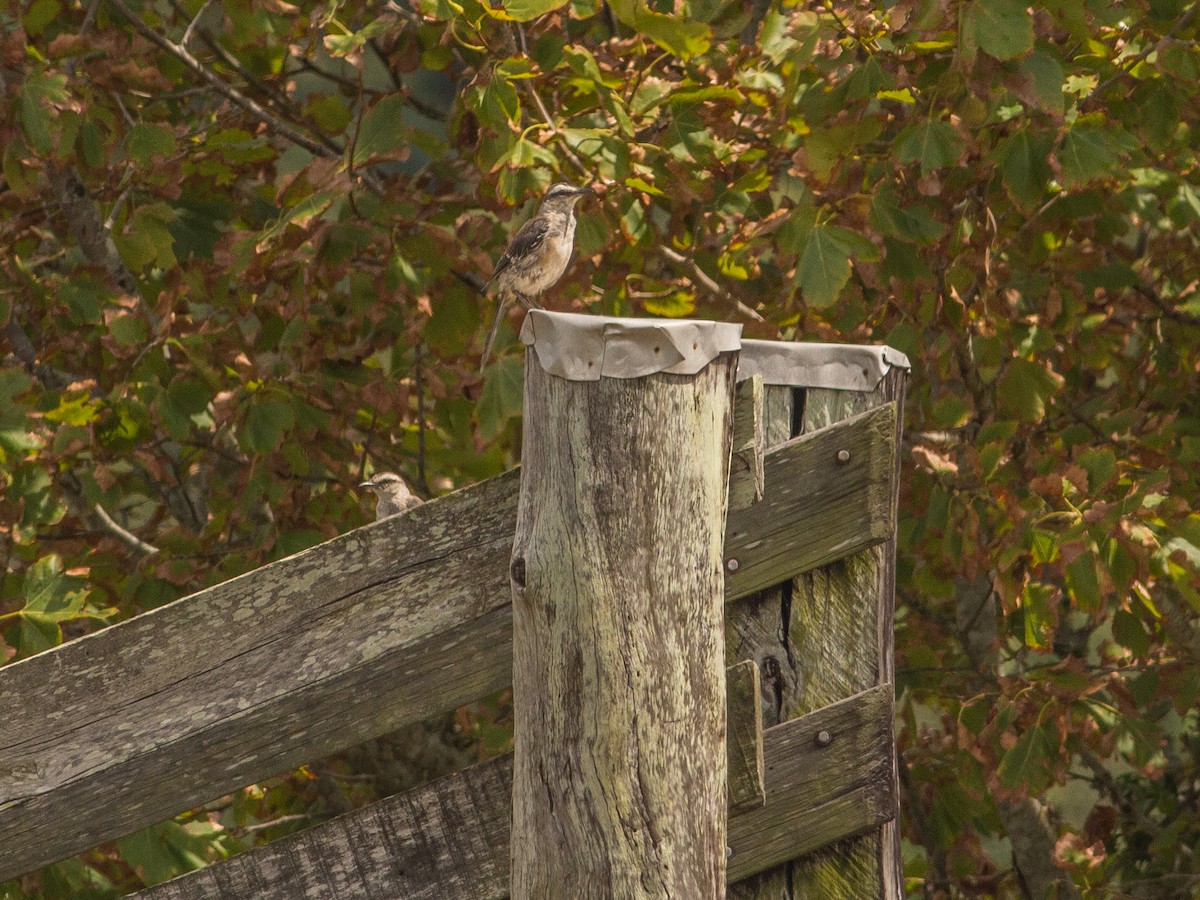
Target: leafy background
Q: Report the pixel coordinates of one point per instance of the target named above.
(239, 243)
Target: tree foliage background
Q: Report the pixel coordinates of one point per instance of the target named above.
(238, 240)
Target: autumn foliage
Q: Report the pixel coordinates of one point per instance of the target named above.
(241, 243)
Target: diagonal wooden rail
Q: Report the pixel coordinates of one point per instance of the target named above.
(450, 838)
(379, 627)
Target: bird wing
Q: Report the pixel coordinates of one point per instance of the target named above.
(527, 239)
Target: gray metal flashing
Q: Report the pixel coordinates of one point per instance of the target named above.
(845, 367)
(585, 348)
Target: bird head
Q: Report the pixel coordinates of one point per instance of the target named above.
(387, 484)
(563, 194)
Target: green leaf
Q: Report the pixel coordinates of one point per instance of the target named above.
(1043, 77)
(502, 397)
(1003, 28)
(49, 592)
(1101, 466)
(265, 424)
(34, 107)
(1025, 388)
(1129, 632)
(330, 113)
(1023, 167)
(500, 105)
(51, 598)
(381, 133)
(75, 411)
(1087, 152)
(148, 141)
(524, 10)
(1083, 582)
(824, 268)
(455, 319)
(124, 427)
(933, 143)
(1027, 764)
(911, 221)
(677, 305)
(40, 14)
(675, 34)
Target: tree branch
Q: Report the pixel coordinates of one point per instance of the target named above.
(255, 109)
(706, 281)
(99, 515)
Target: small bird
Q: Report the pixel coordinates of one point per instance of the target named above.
(392, 493)
(536, 257)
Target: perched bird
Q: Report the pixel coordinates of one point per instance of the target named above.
(392, 493)
(536, 257)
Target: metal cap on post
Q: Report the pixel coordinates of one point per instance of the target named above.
(619, 785)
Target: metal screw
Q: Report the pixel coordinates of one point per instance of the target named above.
(824, 738)
(732, 564)
(843, 457)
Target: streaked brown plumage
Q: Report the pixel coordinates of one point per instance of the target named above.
(536, 256)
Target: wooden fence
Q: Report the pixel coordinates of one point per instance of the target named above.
(407, 617)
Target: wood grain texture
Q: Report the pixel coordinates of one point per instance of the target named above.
(290, 662)
(744, 737)
(619, 774)
(842, 638)
(450, 838)
(822, 636)
(746, 459)
(349, 640)
(857, 496)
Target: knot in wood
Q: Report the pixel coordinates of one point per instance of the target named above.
(517, 571)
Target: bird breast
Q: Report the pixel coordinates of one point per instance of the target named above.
(532, 276)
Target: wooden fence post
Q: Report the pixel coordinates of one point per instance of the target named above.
(827, 634)
(619, 784)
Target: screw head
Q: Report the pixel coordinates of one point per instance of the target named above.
(843, 457)
(823, 738)
(732, 565)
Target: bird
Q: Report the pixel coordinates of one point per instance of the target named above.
(536, 256)
(393, 494)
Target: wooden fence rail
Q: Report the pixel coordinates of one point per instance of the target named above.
(341, 643)
(450, 838)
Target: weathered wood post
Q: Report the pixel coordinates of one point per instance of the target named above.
(825, 635)
(619, 784)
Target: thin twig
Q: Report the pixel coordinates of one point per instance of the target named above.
(546, 117)
(1165, 307)
(1124, 71)
(706, 281)
(276, 124)
(419, 385)
(187, 32)
(282, 820)
(114, 528)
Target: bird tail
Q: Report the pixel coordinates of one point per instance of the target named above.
(501, 308)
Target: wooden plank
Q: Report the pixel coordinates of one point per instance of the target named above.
(382, 626)
(841, 626)
(756, 628)
(746, 459)
(848, 469)
(288, 663)
(450, 838)
(744, 737)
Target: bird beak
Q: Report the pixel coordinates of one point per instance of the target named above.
(367, 484)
